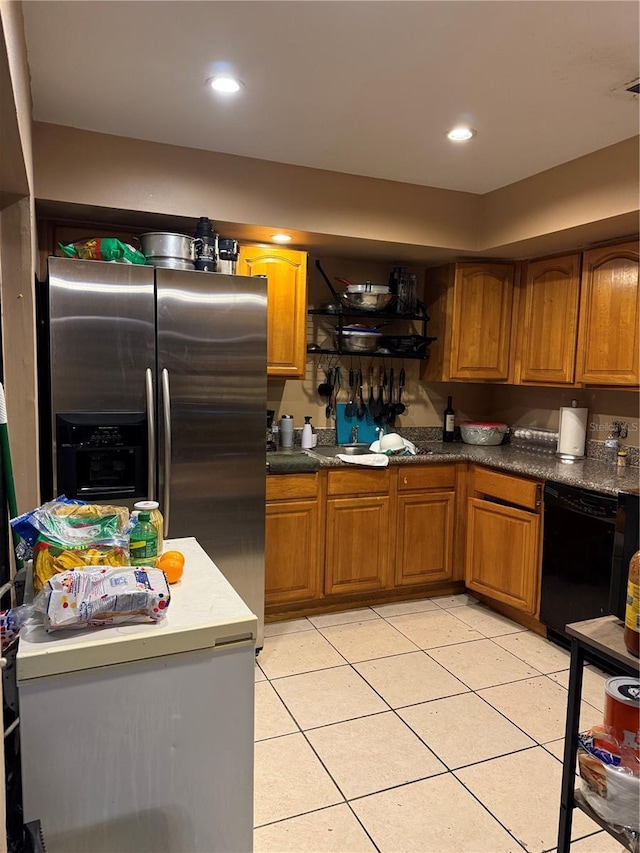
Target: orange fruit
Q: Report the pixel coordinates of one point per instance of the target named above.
(172, 564)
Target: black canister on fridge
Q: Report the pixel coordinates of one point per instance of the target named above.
(227, 256)
(205, 245)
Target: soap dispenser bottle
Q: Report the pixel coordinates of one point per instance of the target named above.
(307, 433)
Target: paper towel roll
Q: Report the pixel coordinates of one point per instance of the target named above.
(572, 431)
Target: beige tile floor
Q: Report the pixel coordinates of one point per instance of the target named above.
(431, 726)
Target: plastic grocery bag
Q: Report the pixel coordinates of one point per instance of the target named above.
(102, 596)
(610, 777)
(66, 535)
(103, 249)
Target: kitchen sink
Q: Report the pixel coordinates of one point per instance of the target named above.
(347, 449)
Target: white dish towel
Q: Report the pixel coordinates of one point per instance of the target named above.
(371, 460)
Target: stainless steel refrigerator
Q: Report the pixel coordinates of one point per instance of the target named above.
(153, 385)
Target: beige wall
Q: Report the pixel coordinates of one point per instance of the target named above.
(17, 253)
(513, 405)
(82, 167)
(593, 198)
(595, 188)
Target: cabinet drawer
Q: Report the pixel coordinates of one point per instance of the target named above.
(285, 486)
(505, 487)
(365, 482)
(426, 477)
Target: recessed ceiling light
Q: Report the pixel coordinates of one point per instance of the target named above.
(460, 134)
(281, 238)
(228, 85)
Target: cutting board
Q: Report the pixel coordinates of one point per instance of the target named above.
(366, 427)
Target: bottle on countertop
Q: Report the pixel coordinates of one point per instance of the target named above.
(205, 245)
(448, 422)
(632, 612)
(307, 433)
(155, 517)
(143, 541)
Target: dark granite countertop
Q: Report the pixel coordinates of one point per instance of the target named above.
(588, 473)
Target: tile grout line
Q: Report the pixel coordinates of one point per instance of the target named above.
(448, 770)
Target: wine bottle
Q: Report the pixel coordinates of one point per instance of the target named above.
(448, 422)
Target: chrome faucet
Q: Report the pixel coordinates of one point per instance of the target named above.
(380, 432)
(354, 435)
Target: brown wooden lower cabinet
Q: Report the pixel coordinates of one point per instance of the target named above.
(292, 540)
(503, 542)
(346, 537)
(357, 550)
(424, 547)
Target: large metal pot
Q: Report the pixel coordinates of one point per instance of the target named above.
(358, 338)
(367, 301)
(162, 248)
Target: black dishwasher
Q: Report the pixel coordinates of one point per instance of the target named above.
(577, 553)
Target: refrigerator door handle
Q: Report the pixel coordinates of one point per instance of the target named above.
(166, 409)
(151, 435)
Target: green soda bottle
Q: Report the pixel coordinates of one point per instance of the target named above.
(143, 542)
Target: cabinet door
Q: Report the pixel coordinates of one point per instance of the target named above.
(286, 272)
(502, 559)
(550, 320)
(357, 545)
(483, 295)
(609, 317)
(292, 563)
(424, 546)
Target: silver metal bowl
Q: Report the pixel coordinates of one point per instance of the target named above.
(366, 301)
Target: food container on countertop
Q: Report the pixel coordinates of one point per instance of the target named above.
(483, 432)
(622, 710)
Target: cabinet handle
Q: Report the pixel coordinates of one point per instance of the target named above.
(538, 495)
(405, 480)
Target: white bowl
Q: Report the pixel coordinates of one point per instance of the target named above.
(487, 434)
(392, 441)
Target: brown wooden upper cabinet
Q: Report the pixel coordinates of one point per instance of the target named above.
(549, 321)
(286, 272)
(608, 337)
(470, 310)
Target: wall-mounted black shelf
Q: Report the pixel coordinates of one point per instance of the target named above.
(421, 354)
(409, 355)
(419, 351)
(369, 315)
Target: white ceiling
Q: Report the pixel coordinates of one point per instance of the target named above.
(361, 87)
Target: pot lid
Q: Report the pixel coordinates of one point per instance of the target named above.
(357, 329)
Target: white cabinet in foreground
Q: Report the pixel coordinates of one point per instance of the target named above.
(139, 738)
